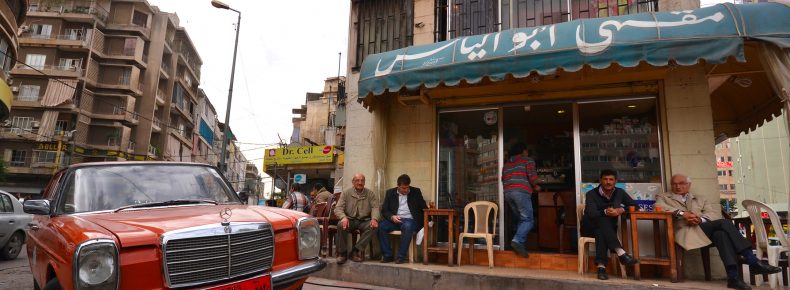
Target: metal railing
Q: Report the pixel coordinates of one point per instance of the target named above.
(55, 36)
(152, 150)
(19, 131)
(48, 67)
(157, 122)
(78, 7)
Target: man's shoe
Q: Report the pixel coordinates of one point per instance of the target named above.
(519, 249)
(602, 274)
(342, 258)
(738, 284)
(400, 261)
(763, 268)
(387, 259)
(627, 260)
(356, 256)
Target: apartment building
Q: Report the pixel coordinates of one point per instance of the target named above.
(11, 15)
(725, 173)
(104, 80)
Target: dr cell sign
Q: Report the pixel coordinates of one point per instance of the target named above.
(299, 155)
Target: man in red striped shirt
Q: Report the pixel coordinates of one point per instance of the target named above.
(518, 180)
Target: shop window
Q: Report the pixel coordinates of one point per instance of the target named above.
(628, 129)
(382, 25)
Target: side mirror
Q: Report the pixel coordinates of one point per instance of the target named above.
(37, 206)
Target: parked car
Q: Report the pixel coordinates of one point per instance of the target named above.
(156, 225)
(12, 226)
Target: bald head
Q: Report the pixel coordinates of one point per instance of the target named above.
(359, 181)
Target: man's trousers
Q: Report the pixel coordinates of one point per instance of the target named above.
(366, 233)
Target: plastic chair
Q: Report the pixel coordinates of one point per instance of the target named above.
(480, 209)
(412, 245)
(755, 208)
(584, 242)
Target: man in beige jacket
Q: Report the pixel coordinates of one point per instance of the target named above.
(357, 209)
(698, 222)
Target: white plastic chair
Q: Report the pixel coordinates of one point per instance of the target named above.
(584, 243)
(755, 208)
(412, 245)
(482, 211)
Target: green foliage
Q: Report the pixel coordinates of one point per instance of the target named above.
(733, 204)
(3, 170)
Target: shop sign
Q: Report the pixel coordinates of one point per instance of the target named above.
(51, 146)
(724, 164)
(300, 178)
(299, 155)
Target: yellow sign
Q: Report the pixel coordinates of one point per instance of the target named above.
(5, 99)
(299, 155)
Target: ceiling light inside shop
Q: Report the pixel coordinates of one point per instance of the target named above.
(631, 106)
(560, 111)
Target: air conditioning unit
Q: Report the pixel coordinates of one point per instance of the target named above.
(35, 124)
(15, 89)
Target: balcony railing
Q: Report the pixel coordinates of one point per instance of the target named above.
(131, 145)
(55, 36)
(151, 150)
(48, 67)
(113, 142)
(79, 7)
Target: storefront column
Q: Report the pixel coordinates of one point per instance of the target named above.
(366, 134)
(691, 143)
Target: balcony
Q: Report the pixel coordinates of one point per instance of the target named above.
(156, 125)
(160, 97)
(65, 71)
(152, 151)
(19, 133)
(164, 72)
(143, 31)
(74, 11)
(76, 41)
(124, 48)
(117, 77)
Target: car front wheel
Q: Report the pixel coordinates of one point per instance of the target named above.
(12, 248)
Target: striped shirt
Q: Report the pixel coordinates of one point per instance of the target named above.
(519, 174)
(296, 201)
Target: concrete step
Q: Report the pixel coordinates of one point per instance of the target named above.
(430, 277)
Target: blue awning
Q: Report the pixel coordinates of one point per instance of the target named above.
(712, 34)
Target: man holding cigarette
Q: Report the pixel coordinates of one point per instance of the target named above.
(699, 222)
(603, 207)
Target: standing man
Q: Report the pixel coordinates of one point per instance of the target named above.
(296, 200)
(518, 180)
(698, 222)
(402, 211)
(357, 209)
(603, 207)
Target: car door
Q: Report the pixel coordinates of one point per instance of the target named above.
(43, 242)
(7, 220)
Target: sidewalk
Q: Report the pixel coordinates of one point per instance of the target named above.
(419, 277)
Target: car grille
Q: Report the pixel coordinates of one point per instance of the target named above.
(194, 260)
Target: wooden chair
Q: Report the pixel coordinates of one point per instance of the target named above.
(319, 211)
(412, 245)
(584, 242)
(763, 247)
(482, 211)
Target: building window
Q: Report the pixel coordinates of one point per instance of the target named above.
(729, 172)
(729, 158)
(6, 58)
(36, 61)
(72, 64)
(18, 157)
(44, 156)
(73, 34)
(382, 25)
(722, 187)
(140, 19)
(40, 30)
(61, 126)
(29, 93)
(720, 173)
(732, 186)
(472, 17)
(21, 125)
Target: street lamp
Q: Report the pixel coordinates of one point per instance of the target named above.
(224, 154)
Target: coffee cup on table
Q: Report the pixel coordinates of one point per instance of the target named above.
(631, 208)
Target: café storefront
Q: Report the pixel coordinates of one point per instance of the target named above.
(648, 95)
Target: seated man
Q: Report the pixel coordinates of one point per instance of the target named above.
(603, 207)
(357, 209)
(402, 210)
(320, 194)
(699, 223)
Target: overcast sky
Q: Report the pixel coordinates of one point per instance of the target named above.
(285, 50)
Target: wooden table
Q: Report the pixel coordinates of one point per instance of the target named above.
(452, 224)
(659, 259)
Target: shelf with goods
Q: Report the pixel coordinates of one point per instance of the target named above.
(629, 146)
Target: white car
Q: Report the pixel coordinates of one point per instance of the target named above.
(12, 226)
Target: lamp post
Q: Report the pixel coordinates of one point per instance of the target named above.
(224, 154)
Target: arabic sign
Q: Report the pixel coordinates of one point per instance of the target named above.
(712, 33)
(299, 155)
(723, 164)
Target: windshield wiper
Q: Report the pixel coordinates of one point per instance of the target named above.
(166, 203)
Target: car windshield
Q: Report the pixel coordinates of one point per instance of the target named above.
(110, 187)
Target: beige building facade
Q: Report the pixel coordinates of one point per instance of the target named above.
(648, 122)
(11, 16)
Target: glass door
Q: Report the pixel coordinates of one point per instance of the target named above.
(468, 161)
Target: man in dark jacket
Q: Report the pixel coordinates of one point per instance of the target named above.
(402, 211)
(603, 207)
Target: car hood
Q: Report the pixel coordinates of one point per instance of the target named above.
(140, 227)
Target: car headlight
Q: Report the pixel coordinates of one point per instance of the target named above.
(309, 238)
(96, 265)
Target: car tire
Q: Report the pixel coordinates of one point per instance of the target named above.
(53, 284)
(12, 248)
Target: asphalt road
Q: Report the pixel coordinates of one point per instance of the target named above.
(15, 275)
